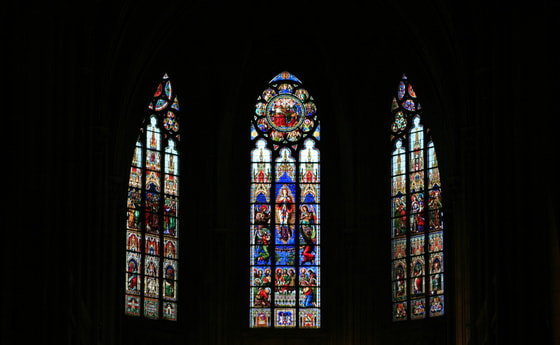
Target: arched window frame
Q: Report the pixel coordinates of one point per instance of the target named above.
(417, 247)
(285, 274)
(152, 222)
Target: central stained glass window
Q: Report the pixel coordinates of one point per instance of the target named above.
(285, 276)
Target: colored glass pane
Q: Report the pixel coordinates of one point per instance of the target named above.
(152, 212)
(284, 210)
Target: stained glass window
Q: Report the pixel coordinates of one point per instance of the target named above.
(152, 226)
(417, 213)
(284, 215)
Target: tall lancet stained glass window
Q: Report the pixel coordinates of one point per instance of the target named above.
(152, 226)
(284, 215)
(417, 216)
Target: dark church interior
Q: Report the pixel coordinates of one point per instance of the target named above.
(78, 79)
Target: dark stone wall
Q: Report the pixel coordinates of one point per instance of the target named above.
(77, 83)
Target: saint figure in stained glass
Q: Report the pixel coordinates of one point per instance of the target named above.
(416, 213)
(285, 217)
(152, 212)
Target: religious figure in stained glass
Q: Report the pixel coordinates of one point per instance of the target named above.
(151, 287)
(285, 209)
(416, 213)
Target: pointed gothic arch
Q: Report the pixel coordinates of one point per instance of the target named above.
(285, 275)
(417, 213)
(152, 223)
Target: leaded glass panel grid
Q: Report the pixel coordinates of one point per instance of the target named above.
(416, 213)
(152, 224)
(285, 210)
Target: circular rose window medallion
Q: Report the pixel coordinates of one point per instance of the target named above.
(285, 112)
